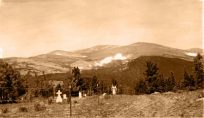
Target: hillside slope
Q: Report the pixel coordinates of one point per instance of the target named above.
(183, 104)
(61, 61)
(129, 73)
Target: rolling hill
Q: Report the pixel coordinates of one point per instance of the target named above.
(95, 57)
(129, 73)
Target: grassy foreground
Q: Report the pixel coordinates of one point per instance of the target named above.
(180, 104)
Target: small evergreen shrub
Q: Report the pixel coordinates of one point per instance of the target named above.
(23, 109)
(4, 110)
(39, 107)
(50, 100)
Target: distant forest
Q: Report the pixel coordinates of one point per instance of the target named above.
(144, 75)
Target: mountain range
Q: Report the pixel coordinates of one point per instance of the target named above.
(96, 57)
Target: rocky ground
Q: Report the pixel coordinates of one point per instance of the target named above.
(179, 104)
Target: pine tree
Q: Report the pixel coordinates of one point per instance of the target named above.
(198, 69)
(94, 84)
(161, 83)
(10, 81)
(76, 74)
(141, 87)
(151, 75)
(151, 71)
(170, 82)
(188, 80)
(79, 83)
(76, 77)
(114, 82)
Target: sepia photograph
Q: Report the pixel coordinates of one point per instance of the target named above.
(101, 58)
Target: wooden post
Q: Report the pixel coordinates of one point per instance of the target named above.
(53, 92)
(70, 99)
(1, 93)
(98, 94)
(98, 99)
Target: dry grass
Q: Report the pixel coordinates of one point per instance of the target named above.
(185, 104)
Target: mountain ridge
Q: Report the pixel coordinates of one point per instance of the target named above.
(59, 61)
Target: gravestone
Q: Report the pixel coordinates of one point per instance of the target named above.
(64, 96)
(114, 89)
(80, 94)
(59, 98)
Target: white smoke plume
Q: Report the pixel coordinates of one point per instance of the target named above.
(191, 54)
(107, 60)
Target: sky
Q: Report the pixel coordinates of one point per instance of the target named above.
(32, 27)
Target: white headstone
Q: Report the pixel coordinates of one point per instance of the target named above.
(114, 89)
(80, 94)
(59, 98)
(64, 96)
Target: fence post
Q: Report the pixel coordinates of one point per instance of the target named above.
(70, 99)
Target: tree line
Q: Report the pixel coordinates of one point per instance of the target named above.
(13, 84)
(156, 82)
